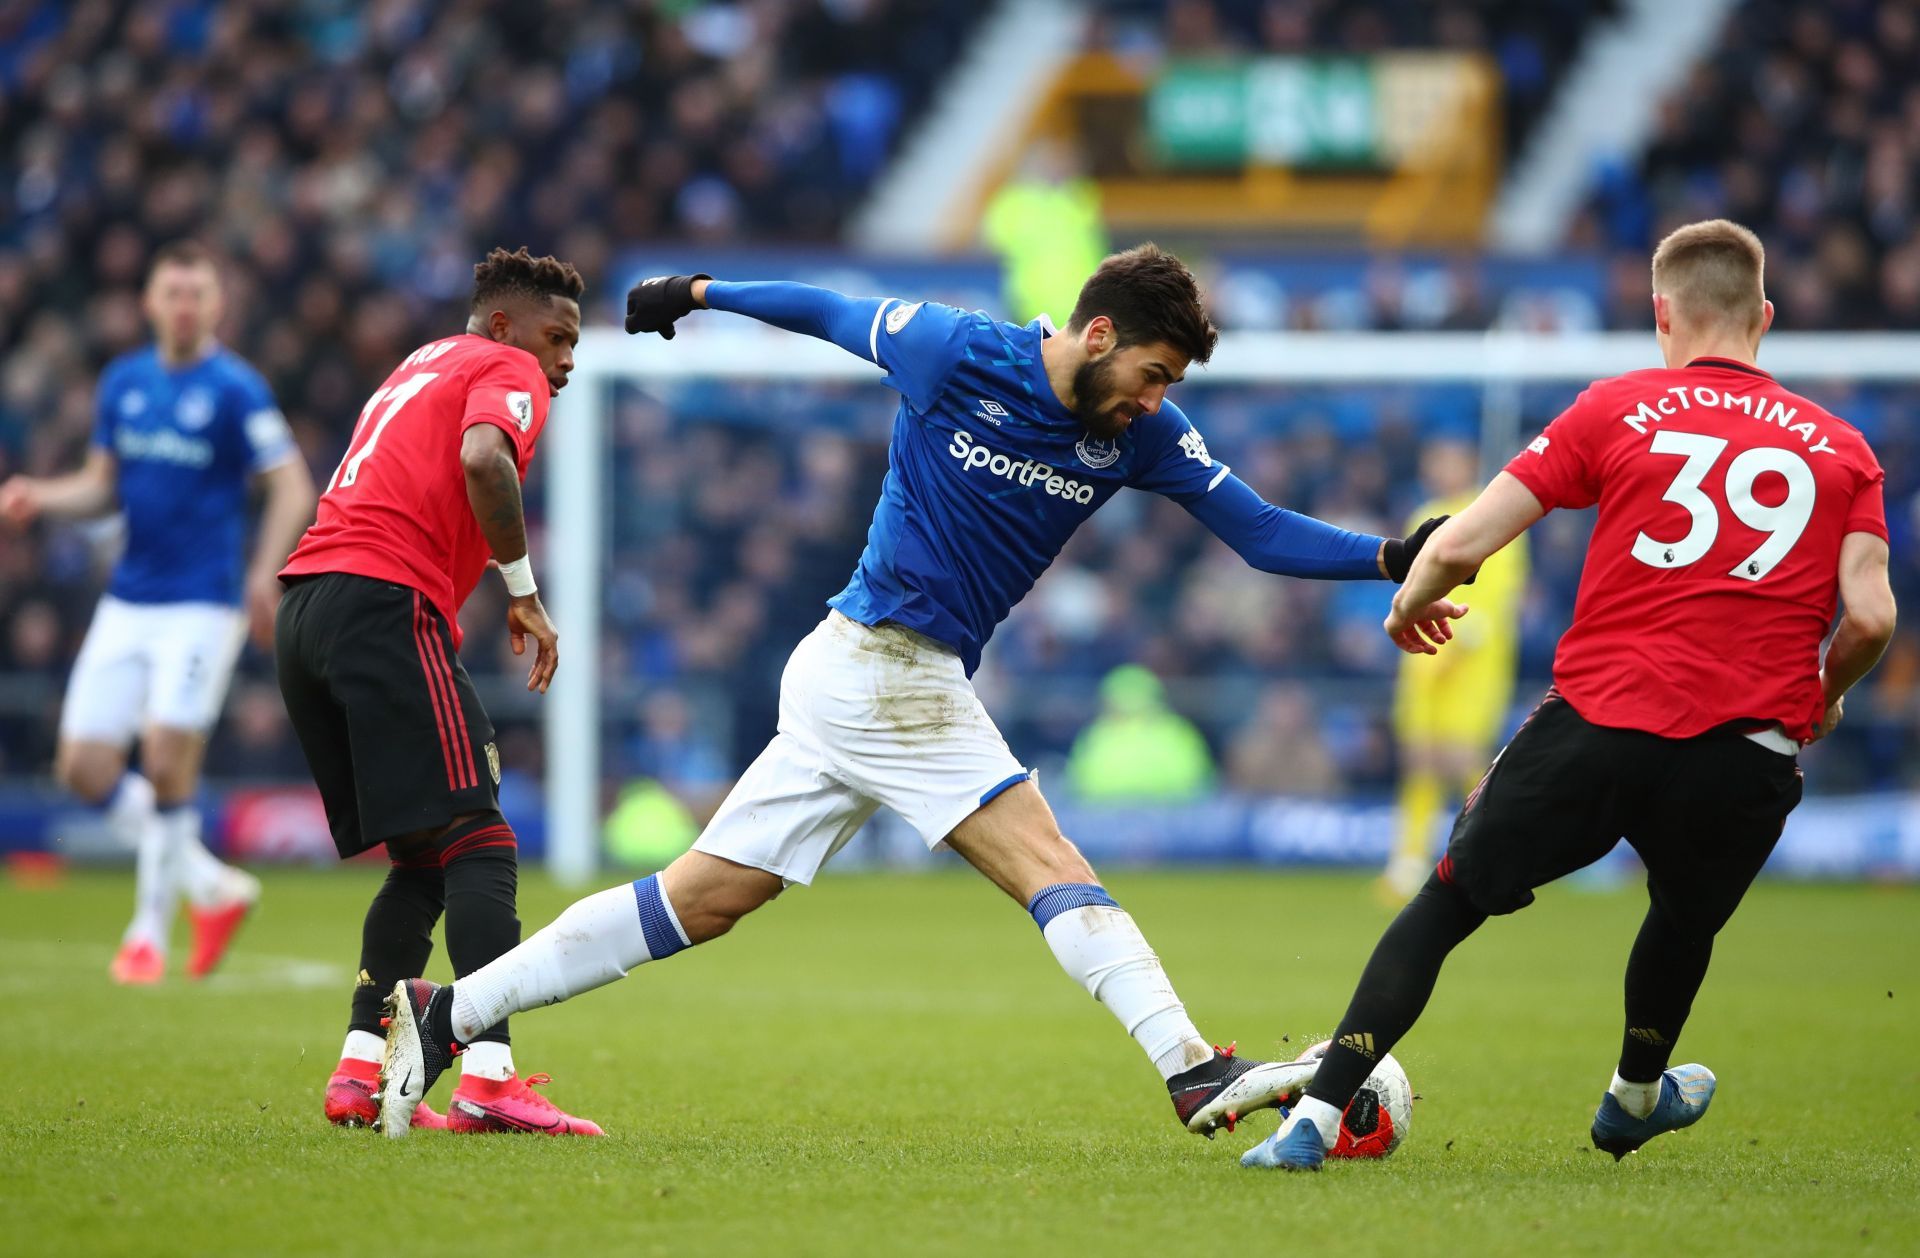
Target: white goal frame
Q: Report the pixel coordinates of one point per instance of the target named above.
(576, 448)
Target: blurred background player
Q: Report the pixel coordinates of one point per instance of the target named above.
(1449, 709)
(368, 651)
(1007, 439)
(1734, 516)
(183, 429)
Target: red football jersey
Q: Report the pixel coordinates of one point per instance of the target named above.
(1713, 573)
(396, 508)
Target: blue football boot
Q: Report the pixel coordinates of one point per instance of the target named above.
(1292, 1148)
(1685, 1093)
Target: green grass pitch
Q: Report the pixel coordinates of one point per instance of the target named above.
(893, 1064)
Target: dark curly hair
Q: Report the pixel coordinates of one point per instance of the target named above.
(521, 274)
(1151, 296)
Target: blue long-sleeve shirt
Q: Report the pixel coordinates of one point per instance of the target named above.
(989, 474)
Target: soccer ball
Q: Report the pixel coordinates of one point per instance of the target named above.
(1381, 1112)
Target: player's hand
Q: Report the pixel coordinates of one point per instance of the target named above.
(653, 305)
(1397, 554)
(527, 618)
(19, 501)
(1828, 723)
(1424, 630)
(263, 600)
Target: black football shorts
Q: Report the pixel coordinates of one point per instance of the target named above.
(388, 718)
(1703, 813)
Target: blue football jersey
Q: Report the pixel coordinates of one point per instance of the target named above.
(989, 475)
(187, 440)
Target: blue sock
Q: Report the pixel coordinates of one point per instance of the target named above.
(657, 922)
(1050, 902)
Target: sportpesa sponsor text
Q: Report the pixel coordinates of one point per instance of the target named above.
(1025, 472)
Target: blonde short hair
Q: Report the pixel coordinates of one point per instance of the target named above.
(1714, 273)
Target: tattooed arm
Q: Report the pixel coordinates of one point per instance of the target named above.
(493, 491)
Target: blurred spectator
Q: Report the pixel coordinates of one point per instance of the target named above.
(1279, 751)
(1138, 748)
(1046, 225)
(648, 826)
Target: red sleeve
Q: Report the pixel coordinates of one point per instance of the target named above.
(1868, 511)
(509, 392)
(1557, 465)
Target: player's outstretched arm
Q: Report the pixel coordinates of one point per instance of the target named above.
(75, 496)
(654, 305)
(1274, 539)
(493, 491)
(1866, 624)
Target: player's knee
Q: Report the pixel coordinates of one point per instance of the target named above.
(90, 772)
(171, 761)
(1462, 891)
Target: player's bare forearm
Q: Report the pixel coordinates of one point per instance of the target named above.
(1855, 650)
(493, 491)
(1505, 509)
(77, 495)
(285, 516)
(1434, 575)
(1866, 627)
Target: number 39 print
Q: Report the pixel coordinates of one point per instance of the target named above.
(1783, 524)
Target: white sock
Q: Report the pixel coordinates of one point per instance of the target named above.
(594, 942)
(153, 885)
(1100, 947)
(363, 1046)
(1321, 1115)
(204, 877)
(488, 1059)
(130, 807)
(1637, 1099)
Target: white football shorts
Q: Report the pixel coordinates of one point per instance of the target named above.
(868, 716)
(147, 664)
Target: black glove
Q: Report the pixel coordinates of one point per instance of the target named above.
(653, 305)
(1399, 554)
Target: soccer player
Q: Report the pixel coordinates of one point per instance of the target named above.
(427, 493)
(1007, 439)
(183, 428)
(1732, 513)
(1447, 711)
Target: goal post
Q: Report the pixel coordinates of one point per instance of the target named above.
(579, 435)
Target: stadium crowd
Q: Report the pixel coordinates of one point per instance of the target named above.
(353, 160)
(1804, 124)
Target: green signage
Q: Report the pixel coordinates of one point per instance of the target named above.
(1273, 111)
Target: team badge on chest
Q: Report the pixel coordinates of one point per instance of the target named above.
(1097, 452)
(194, 410)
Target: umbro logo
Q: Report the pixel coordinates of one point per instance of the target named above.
(992, 412)
(1360, 1042)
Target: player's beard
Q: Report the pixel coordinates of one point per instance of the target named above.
(1094, 399)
